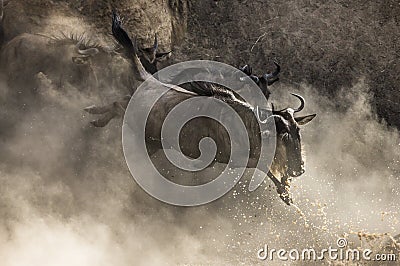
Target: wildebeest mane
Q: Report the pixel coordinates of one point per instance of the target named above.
(82, 39)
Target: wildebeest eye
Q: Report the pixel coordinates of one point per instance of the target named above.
(80, 60)
(255, 79)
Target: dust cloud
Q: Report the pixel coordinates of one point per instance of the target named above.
(67, 198)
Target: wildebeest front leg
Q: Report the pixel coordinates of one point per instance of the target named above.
(282, 188)
(116, 109)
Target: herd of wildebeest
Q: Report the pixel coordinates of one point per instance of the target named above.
(76, 61)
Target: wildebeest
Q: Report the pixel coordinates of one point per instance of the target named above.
(263, 81)
(71, 59)
(150, 57)
(288, 161)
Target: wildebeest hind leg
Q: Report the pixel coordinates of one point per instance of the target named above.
(152, 147)
(104, 120)
(98, 110)
(116, 109)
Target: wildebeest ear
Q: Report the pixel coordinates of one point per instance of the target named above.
(302, 120)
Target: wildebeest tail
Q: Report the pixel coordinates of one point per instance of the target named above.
(122, 36)
(130, 48)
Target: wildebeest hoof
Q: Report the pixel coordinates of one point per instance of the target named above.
(96, 123)
(90, 109)
(96, 110)
(104, 120)
(286, 198)
(284, 194)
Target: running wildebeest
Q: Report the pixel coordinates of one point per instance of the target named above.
(263, 81)
(70, 59)
(66, 60)
(288, 159)
(150, 57)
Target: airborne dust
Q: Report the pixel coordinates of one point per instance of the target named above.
(67, 198)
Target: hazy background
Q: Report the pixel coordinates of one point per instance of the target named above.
(66, 195)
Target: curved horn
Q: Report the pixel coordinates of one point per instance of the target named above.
(155, 45)
(275, 73)
(258, 116)
(257, 113)
(300, 108)
(302, 102)
(277, 69)
(246, 69)
(88, 52)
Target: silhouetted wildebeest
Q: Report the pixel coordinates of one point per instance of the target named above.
(263, 81)
(71, 59)
(288, 159)
(65, 60)
(150, 57)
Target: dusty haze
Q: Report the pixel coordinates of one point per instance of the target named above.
(67, 197)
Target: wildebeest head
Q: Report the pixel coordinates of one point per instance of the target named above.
(263, 81)
(288, 160)
(151, 57)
